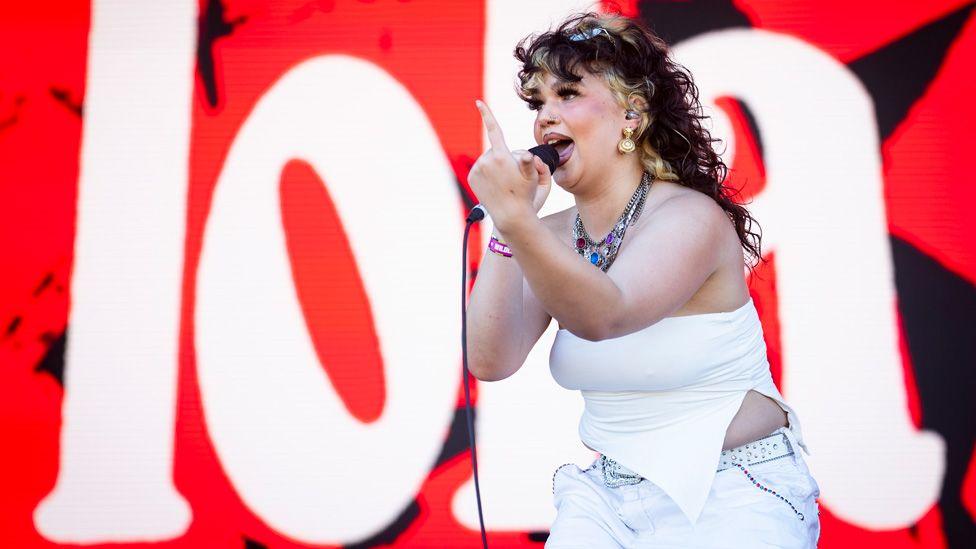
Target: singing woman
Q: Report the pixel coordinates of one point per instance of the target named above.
(695, 445)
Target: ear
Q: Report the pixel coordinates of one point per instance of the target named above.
(637, 102)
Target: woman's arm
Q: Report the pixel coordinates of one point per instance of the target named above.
(504, 319)
(659, 270)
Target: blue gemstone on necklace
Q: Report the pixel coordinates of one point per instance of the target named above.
(594, 257)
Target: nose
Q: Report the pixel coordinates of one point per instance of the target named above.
(543, 123)
(548, 117)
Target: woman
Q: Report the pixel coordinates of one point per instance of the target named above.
(697, 447)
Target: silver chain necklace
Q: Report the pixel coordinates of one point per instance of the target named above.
(603, 253)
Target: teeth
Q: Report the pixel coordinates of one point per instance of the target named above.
(552, 141)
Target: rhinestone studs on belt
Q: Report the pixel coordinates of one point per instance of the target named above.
(615, 474)
(758, 451)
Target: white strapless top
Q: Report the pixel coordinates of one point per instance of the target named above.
(659, 400)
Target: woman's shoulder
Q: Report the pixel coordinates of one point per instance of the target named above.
(682, 207)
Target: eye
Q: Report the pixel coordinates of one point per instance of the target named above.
(535, 104)
(563, 92)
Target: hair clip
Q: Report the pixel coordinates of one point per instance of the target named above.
(587, 34)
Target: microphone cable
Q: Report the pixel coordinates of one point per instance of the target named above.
(464, 364)
(550, 157)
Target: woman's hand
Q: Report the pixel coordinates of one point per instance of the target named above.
(544, 185)
(509, 184)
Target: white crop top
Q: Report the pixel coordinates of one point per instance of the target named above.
(659, 400)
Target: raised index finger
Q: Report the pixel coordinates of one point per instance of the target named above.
(495, 136)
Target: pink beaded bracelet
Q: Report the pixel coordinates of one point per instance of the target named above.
(499, 247)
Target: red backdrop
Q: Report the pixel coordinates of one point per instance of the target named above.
(915, 60)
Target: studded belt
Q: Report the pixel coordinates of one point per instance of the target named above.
(761, 450)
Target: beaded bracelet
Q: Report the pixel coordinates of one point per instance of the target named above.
(499, 247)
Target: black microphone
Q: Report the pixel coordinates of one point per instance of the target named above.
(547, 153)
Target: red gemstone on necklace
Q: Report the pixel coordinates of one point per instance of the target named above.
(580, 243)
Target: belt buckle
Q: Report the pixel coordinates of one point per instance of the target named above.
(612, 477)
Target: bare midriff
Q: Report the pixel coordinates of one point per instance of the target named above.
(758, 416)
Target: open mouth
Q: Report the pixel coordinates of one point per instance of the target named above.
(565, 149)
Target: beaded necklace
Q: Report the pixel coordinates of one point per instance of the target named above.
(603, 253)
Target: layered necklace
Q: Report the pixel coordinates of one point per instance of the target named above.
(603, 253)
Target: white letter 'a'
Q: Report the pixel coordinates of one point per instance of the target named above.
(823, 213)
(283, 435)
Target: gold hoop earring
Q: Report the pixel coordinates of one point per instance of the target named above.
(627, 145)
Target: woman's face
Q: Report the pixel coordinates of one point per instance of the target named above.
(586, 113)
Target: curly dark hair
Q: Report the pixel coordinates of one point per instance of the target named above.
(671, 141)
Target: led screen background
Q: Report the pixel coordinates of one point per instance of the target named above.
(230, 233)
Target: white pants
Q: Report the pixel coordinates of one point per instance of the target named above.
(737, 514)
